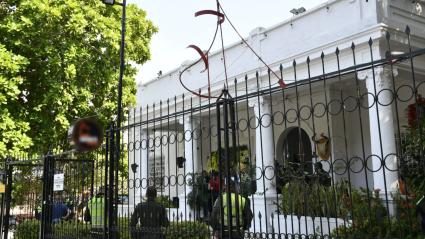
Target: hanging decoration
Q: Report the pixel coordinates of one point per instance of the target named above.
(221, 17)
(323, 147)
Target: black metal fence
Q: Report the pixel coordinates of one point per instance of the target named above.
(337, 153)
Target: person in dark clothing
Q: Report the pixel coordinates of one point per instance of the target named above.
(240, 214)
(59, 210)
(149, 218)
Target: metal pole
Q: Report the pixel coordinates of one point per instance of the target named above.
(119, 120)
(110, 192)
(3, 180)
(8, 196)
(122, 69)
(46, 216)
(122, 63)
(2, 214)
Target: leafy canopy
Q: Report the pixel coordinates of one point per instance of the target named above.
(59, 62)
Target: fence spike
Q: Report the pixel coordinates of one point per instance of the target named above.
(337, 51)
(370, 41)
(353, 46)
(387, 35)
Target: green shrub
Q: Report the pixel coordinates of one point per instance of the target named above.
(315, 200)
(68, 230)
(372, 221)
(176, 230)
(27, 230)
(188, 230)
(165, 201)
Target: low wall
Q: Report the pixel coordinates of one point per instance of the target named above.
(295, 225)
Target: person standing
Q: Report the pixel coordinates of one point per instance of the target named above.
(240, 214)
(95, 213)
(214, 188)
(149, 218)
(59, 212)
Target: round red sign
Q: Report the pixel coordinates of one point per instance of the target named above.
(86, 134)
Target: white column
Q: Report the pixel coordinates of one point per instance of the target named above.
(191, 127)
(264, 201)
(382, 133)
(264, 150)
(191, 164)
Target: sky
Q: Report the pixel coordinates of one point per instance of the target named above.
(179, 28)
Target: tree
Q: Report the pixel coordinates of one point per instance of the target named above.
(13, 129)
(63, 62)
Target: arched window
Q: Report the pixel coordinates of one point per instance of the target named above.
(294, 150)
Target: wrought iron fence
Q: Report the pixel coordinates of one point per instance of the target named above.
(337, 153)
(321, 158)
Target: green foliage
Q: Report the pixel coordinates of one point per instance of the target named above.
(372, 222)
(27, 229)
(27, 189)
(412, 162)
(77, 230)
(240, 165)
(375, 222)
(239, 162)
(176, 230)
(248, 184)
(72, 230)
(13, 129)
(313, 199)
(188, 230)
(165, 201)
(59, 62)
(370, 218)
(199, 194)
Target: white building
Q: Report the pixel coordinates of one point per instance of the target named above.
(357, 134)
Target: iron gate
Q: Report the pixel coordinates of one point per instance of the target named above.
(50, 194)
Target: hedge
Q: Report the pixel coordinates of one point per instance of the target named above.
(77, 230)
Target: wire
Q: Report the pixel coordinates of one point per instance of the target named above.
(281, 83)
(221, 16)
(196, 62)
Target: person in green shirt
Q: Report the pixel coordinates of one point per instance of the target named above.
(95, 213)
(240, 214)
